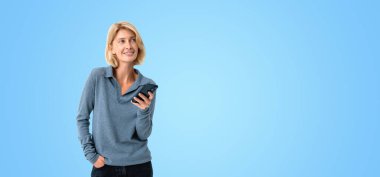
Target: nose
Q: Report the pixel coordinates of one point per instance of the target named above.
(128, 44)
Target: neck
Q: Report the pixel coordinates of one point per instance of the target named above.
(124, 73)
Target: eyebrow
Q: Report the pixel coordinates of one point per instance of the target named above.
(125, 38)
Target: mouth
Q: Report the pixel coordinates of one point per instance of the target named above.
(129, 53)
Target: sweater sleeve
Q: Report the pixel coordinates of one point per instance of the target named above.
(86, 106)
(144, 120)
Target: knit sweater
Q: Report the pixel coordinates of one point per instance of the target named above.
(120, 130)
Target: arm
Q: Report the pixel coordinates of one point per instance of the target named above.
(144, 120)
(86, 106)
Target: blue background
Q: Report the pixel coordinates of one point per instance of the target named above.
(246, 88)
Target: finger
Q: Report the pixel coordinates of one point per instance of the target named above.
(151, 95)
(98, 165)
(99, 159)
(143, 104)
(98, 162)
(136, 104)
(147, 101)
(138, 100)
(143, 97)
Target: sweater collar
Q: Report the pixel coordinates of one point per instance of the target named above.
(141, 80)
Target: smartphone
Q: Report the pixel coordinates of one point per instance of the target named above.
(146, 88)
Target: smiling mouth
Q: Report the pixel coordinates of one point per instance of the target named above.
(128, 53)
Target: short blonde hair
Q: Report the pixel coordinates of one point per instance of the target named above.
(113, 30)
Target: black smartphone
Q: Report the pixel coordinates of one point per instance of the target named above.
(146, 88)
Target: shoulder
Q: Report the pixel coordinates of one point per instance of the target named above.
(98, 72)
(147, 80)
(150, 81)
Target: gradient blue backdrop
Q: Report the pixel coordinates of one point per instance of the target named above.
(246, 88)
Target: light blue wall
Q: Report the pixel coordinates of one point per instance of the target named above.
(246, 88)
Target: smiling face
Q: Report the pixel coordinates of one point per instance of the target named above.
(124, 46)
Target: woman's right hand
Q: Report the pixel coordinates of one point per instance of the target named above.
(100, 162)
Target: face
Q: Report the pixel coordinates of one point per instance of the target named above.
(124, 46)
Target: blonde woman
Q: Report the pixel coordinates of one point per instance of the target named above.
(118, 144)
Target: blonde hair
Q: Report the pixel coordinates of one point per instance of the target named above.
(112, 31)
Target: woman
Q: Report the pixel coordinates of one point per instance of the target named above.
(120, 127)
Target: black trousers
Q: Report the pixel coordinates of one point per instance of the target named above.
(139, 170)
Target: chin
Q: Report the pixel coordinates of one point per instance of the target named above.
(128, 60)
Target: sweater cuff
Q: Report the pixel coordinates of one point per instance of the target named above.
(144, 111)
(94, 158)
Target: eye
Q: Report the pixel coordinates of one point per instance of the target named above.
(122, 41)
(133, 39)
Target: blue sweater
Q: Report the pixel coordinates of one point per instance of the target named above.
(120, 130)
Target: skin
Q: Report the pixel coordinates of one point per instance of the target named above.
(125, 48)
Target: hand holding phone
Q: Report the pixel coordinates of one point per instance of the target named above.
(146, 88)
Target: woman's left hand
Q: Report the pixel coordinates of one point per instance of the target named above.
(145, 103)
